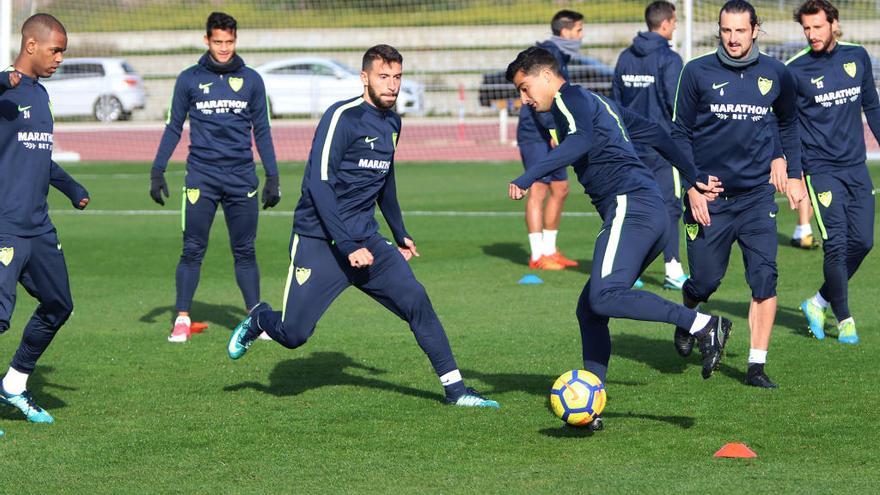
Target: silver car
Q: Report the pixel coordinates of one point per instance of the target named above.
(106, 88)
(309, 85)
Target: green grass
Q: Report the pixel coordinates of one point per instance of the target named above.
(357, 410)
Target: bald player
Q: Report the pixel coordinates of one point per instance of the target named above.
(30, 251)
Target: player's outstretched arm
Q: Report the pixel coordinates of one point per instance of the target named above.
(170, 137)
(75, 192)
(390, 208)
(260, 120)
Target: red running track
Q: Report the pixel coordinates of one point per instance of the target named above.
(419, 141)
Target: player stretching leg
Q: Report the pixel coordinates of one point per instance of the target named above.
(30, 252)
(594, 139)
(225, 101)
(834, 85)
(335, 242)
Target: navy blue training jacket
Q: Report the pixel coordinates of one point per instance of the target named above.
(832, 90)
(596, 137)
(223, 108)
(26, 166)
(350, 170)
(726, 118)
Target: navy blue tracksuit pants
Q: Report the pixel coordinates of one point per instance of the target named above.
(634, 231)
(235, 189)
(38, 264)
(319, 273)
(748, 219)
(843, 203)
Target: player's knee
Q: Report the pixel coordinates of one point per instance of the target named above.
(193, 252)
(294, 334)
(559, 189)
(699, 290)
(604, 301)
(763, 283)
(244, 253)
(413, 300)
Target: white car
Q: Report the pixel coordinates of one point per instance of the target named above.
(106, 88)
(309, 85)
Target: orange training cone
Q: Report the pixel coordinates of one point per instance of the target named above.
(198, 327)
(736, 450)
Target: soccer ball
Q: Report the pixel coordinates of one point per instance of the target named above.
(577, 397)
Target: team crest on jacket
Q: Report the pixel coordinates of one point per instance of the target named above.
(692, 230)
(825, 198)
(6, 255)
(236, 83)
(850, 68)
(764, 85)
(302, 274)
(192, 195)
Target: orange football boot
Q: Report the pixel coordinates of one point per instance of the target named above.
(545, 263)
(562, 260)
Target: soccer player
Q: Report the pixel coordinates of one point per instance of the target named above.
(30, 252)
(335, 241)
(835, 84)
(723, 119)
(644, 81)
(535, 138)
(596, 138)
(226, 101)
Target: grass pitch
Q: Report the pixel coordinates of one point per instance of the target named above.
(358, 409)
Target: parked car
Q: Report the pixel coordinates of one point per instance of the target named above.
(108, 89)
(309, 85)
(784, 51)
(587, 72)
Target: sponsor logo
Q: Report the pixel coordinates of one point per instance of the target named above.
(205, 87)
(382, 165)
(692, 230)
(302, 274)
(764, 85)
(772, 215)
(719, 85)
(6, 255)
(236, 83)
(36, 140)
(738, 111)
(59, 246)
(192, 195)
(818, 82)
(839, 97)
(637, 80)
(825, 198)
(252, 193)
(369, 141)
(850, 69)
(209, 107)
(26, 111)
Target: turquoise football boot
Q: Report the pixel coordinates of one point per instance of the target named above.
(25, 403)
(472, 398)
(815, 318)
(638, 284)
(239, 343)
(674, 283)
(847, 332)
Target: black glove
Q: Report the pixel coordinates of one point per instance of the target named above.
(158, 185)
(271, 192)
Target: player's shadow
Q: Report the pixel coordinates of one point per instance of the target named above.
(40, 386)
(660, 355)
(323, 369)
(531, 383)
(511, 251)
(788, 317)
(222, 315)
(565, 431)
